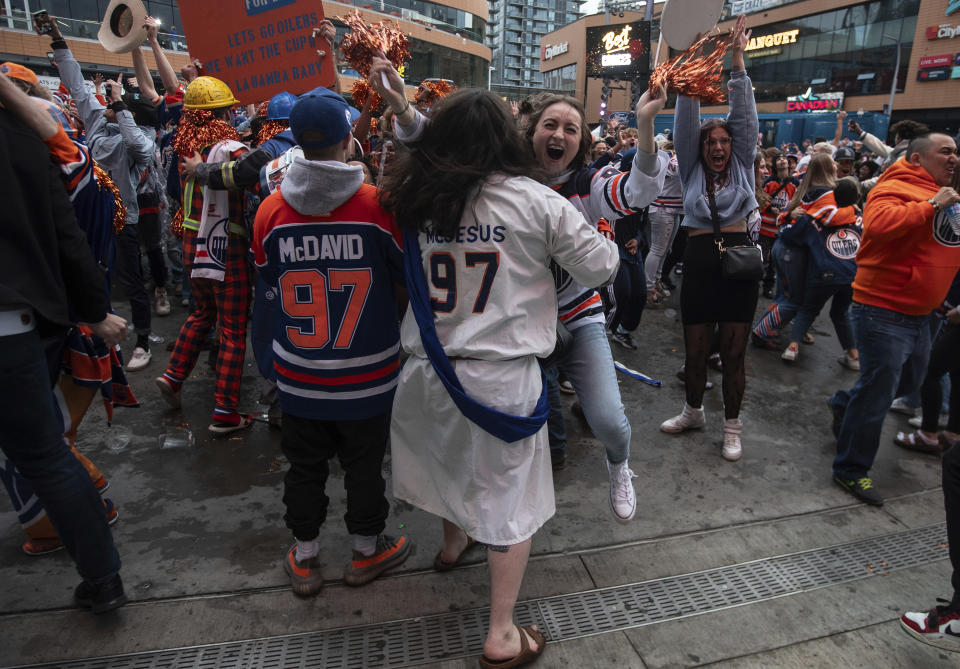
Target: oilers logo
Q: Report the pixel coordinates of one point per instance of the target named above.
(843, 244)
(217, 243)
(943, 232)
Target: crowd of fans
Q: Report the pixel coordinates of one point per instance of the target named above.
(397, 290)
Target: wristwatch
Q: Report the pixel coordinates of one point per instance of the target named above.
(936, 205)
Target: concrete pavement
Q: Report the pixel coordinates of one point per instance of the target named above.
(201, 532)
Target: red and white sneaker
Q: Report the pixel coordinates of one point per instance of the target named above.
(939, 627)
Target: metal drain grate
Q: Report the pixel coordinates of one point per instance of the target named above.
(429, 639)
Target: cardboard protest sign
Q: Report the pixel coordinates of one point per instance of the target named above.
(258, 47)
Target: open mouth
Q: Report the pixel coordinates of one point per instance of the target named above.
(717, 162)
(554, 152)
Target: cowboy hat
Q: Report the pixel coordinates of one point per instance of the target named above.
(122, 29)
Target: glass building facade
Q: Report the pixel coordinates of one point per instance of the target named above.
(514, 34)
(852, 50)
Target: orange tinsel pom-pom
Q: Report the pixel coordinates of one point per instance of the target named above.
(693, 74)
(120, 210)
(361, 89)
(176, 224)
(199, 129)
(363, 42)
(431, 91)
(271, 129)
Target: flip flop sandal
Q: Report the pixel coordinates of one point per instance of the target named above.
(526, 655)
(915, 442)
(226, 428)
(41, 546)
(442, 565)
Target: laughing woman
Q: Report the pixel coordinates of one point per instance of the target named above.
(716, 160)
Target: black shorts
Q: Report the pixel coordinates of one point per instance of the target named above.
(705, 295)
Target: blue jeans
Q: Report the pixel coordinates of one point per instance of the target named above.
(31, 436)
(588, 363)
(556, 432)
(815, 297)
(894, 349)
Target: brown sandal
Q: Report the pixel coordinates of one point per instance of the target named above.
(526, 655)
(442, 565)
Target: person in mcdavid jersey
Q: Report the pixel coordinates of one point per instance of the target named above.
(330, 260)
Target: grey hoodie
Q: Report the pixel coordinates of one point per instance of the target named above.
(317, 187)
(123, 148)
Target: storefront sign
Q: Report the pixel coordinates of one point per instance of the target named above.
(746, 6)
(953, 6)
(956, 59)
(935, 61)
(618, 51)
(936, 74)
(776, 39)
(943, 31)
(258, 47)
(764, 52)
(955, 73)
(548, 51)
(815, 102)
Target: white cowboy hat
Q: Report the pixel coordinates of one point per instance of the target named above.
(122, 29)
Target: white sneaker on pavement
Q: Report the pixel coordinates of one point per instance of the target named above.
(161, 302)
(732, 449)
(689, 419)
(623, 499)
(139, 359)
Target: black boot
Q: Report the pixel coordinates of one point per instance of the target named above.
(101, 598)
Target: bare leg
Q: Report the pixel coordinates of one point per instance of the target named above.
(506, 574)
(454, 542)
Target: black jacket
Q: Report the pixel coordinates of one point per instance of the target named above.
(45, 261)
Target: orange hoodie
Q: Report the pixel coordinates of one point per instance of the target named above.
(908, 257)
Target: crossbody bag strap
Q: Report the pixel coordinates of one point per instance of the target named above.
(714, 214)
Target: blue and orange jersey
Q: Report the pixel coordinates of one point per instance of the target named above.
(336, 336)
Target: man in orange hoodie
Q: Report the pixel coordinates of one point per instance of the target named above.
(907, 259)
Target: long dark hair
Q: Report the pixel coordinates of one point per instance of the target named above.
(471, 134)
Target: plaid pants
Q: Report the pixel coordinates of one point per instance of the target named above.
(226, 301)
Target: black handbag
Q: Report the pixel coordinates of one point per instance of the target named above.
(739, 263)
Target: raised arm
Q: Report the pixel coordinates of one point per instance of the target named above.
(144, 80)
(167, 75)
(328, 33)
(20, 105)
(408, 121)
(838, 133)
(742, 118)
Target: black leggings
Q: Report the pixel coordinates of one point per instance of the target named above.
(944, 359)
(698, 339)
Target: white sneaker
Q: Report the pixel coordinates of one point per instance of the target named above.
(790, 354)
(161, 303)
(689, 419)
(139, 360)
(899, 406)
(623, 500)
(849, 363)
(732, 449)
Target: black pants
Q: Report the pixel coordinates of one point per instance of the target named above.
(766, 247)
(951, 501)
(630, 296)
(150, 237)
(360, 446)
(944, 359)
(128, 276)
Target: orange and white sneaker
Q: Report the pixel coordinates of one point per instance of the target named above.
(305, 576)
(389, 553)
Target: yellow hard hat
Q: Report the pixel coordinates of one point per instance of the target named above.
(208, 93)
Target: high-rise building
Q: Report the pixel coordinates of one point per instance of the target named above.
(514, 32)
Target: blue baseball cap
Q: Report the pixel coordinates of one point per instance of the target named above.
(320, 119)
(321, 90)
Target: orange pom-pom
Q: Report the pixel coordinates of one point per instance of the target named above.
(199, 129)
(693, 74)
(363, 42)
(361, 90)
(431, 91)
(271, 129)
